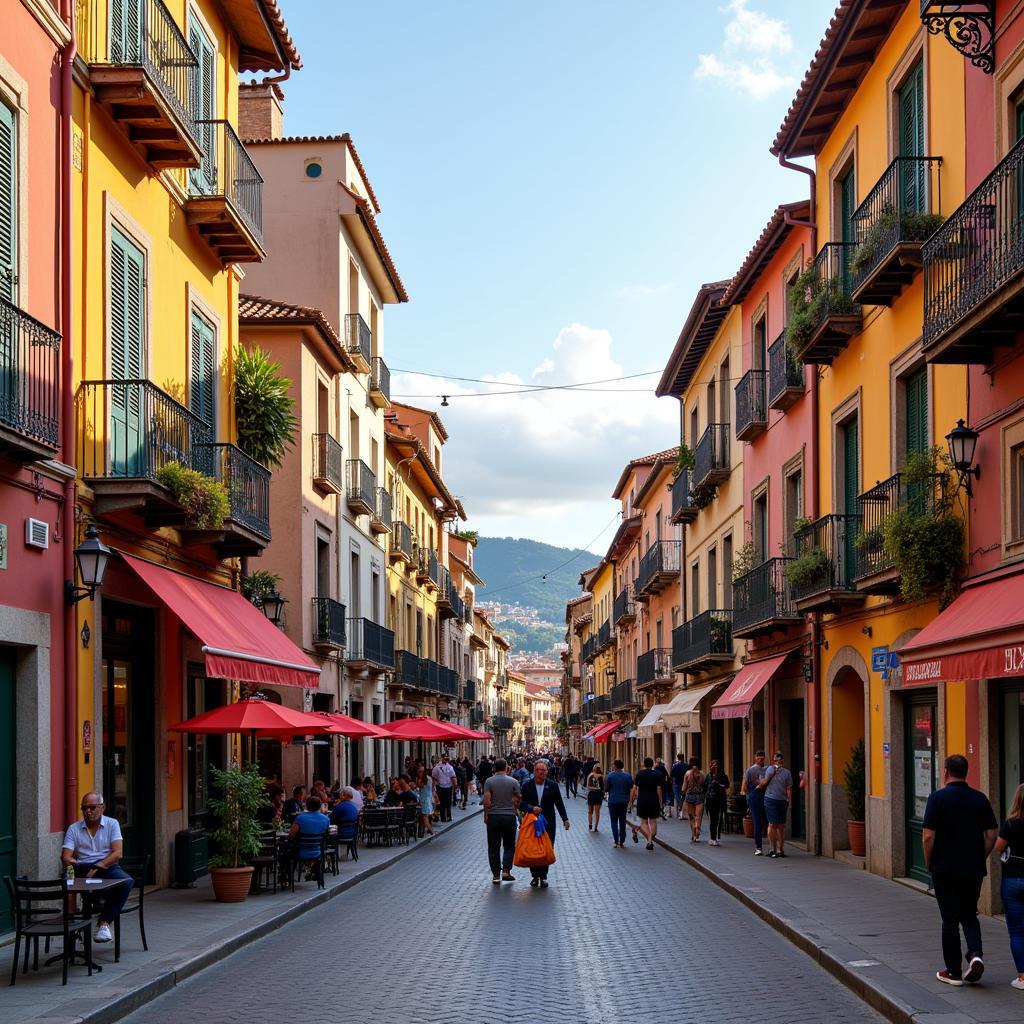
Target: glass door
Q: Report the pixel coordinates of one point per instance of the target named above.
(921, 774)
(1012, 759)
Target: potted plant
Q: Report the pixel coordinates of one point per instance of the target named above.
(259, 585)
(242, 793)
(204, 500)
(854, 781)
(264, 409)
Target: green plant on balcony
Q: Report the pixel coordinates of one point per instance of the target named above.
(745, 560)
(264, 410)
(469, 535)
(720, 634)
(259, 585)
(203, 499)
(684, 460)
(871, 541)
(808, 568)
(926, 537)
(811, 298)
(786, 545)
(908, 226)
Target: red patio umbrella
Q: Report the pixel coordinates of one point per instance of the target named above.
(255, 716)
(343, 725)
(418, 727)
(467, 734)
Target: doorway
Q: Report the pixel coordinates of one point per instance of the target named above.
(920, 771)
(203, 751)
(1011, 753)
(791, 713)
(8, 783)
(847, 730)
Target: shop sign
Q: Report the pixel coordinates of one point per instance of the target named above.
(879, 658)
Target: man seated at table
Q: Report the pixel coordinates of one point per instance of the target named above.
(393, 797)
(294, 804)
(94, 847)
(312, 823)
(345, 813)
(407, 795)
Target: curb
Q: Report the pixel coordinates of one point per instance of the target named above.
(162, 981)
(892, 1009)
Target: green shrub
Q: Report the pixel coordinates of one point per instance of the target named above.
(259, 585)
(888, 227)
(855, 782)
(807, 568)
(812, 298)
(242, 793)
(684, 460)
(203, 499)
(264, 411)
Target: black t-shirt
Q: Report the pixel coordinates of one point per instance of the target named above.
(679, 770)
(647, 782)
(1013, 832)
(716, 787)
(959, 816)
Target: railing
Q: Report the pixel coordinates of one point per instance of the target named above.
(712, 454)
(705, 635)
(682, 495)
(401, 539)
(784, 372)
(662, 557)
(29, 376)
(444, 585)
(900, 208)
(574, 719)
(828, 292)
(501, 723)
(408, 669)
(763, 594)
(247, 484)
(977, 250)
(227, 171)
(624, 607)
(370, 641)
(380, 377)
(358, 336)
(588, 711)
(603, 703)
(624, 694)
(448, 682)
(434, 569)
(382, 508)
(362, 484)
(476, 715)
(131, 429)
(588, 648)
(824, 556)
(654, 665)
(604, 635)
(327, 461)
(328, 622)
(751, 400)
(469, 688)
(458, 605)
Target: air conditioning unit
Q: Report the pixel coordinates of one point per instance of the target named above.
(37, 533)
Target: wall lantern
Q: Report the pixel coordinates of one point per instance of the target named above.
(962, 442)
(91, 557)
(273, 607)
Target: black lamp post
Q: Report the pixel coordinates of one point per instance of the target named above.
(273, 607)
(962, 442)
(91, 557)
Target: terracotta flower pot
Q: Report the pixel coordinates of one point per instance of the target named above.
(855, 830)
(231, 885)
(748, 825)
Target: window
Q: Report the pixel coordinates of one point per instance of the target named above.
(759, 526)
(846, 199)
(694, 429)
(1013, 489)
(915, 412)
(314, 169)
(712, 578)
(353, 585)
(694, 589)
(353, 436)
(759, 343)
(323, 567)
(202, 382)
(8, 205)
(657, 525)
(911, 128)
(793, 500)
(712, 404)
(724, 395)
(727, 571)
(204, 105)
(1017, 492)
(127, 354)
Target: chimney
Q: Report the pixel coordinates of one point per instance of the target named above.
(260, 114)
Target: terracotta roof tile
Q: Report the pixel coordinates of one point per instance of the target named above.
(256, 309)
(283, 35)
(702, 323)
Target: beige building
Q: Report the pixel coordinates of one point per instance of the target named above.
(542, 707)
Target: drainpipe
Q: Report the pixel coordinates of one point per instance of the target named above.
(67, 61)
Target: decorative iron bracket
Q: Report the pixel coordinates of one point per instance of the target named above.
(969, 27)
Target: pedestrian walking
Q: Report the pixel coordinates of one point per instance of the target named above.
(466, 780)
(521, 774)
(716, 797)
(501, 801)
(618, 784)
(483, 773)
(959, 832)
(777, 785)
(693, 794)
(677, 774)
(428, 800)
(571, 769)
(648, 796)
(751, 789)
(444, 778)
(1010, 847)
(543, 797)
(595, 797)
(659, 767)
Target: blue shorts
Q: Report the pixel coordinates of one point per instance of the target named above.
(677, 792)
(776, 810)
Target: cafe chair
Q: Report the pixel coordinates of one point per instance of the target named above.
(42, 911)
(379, 827)
(298, 858)
(138, 868)
(410, 823)
(267, 863)
(347, 836)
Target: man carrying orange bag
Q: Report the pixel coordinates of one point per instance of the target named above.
(540, 800)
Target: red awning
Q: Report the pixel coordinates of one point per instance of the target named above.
(589, 734)
(603, 733)
(238, 640)
(749, 682)
(979, 636)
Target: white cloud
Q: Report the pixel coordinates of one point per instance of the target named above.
(543, 464)
(749, 58)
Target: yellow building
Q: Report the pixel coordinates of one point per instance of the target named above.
(519, 709)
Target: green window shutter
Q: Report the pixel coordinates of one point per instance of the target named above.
(916, 392)
(912, 141)
(8, 204)
(125, 31)
(204, 108)
(848, 200)
(202, 369)
(127, 307)
(851, 490)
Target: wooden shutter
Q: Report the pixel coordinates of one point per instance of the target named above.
(8, 205)
(127, 307)
(851, 489)
(912, 141)
(202, 369)
(916, 393)
(204, 108)
(126, 17)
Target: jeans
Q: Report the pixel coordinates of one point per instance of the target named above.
(617, 812)
(115, 898)
(1012, 892)
(571, 785)
(715, 809)
(501, 833)
(445, 796)
(677, 796)
(755, 801)
(957, 897)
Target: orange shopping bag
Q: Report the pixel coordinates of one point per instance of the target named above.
(533, 847)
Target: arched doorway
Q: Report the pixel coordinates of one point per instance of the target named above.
(847, 732)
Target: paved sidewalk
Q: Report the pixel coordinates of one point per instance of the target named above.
(187, 932)
(879, 938)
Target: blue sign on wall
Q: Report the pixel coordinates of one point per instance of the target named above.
(879, 658)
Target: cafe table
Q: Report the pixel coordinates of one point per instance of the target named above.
(89, 889)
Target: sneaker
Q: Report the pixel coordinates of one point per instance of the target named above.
(758, 852)
(781, 853)
(650, 846)
(714, 842)
(543, 883)
(1017, 983)
(535, 882)
(507, 876)
(947, 979)
(496, 880)
(103, 932)
(772, 853)
(975, 969)
(636, 838)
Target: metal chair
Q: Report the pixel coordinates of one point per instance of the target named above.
(139, 870)
(379, 827)
(266, 861)
(305, 841)
(410, 825)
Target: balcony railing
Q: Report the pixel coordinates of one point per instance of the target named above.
(703, 640)
(469, 690)
(973, 268)
(380, 380)
(762, 601)
(821, 575)
(588, 649)
(476, 715)
(448, 682)
(408, 670)
(604, 635)
(29, 380)
(358, 339)
(130, 429)
(624, 695)
(658, 566)
(501, 723)
(328, 623)
(603, 703)
(382, 511)
(824, 317)
(574, 719)
(712, 462)
(327, 463)
(751, 405)
(402, 544)
(370, 642)
(785, 375)
(684, 506)
(896, 218)
(624, 607)
(362, 487)
(655, 667)
(247, 484)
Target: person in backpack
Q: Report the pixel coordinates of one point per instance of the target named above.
(716, 798)
(693, 793)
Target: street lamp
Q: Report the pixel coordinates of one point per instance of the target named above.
(962, 442)
(91, 557)
(273, 607)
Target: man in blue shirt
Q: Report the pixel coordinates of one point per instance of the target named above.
(306, 831)
(618, 784)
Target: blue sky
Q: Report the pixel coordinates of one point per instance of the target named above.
(556, 179)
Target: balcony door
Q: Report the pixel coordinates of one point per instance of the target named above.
(204, 106)
(851, 489)
(126, 31)
(202, 389)
(127, 354)
(8, 776)
(8, 207)
(913, 176)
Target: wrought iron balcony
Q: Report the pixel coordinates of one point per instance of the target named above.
(574, 719)
(380, 383)
(143, 73)
(448, 682)
(588, 712)
(427, 568)
(785, 375)
(358, 341)
(361, 493)
(625, 695)
(327, 463)
(702, 642)
(328, 624)
(247, 528)
(225, 196)
(409, 671)
(969, 27)
(659, 566)
(29, 386)
(654, 668)
(469, 691)
(380, 521)
(762, 602)
(974, 270)
(605, 636)
(588, 650)
(896, 218)
(712, 463)
(824, 317)
(501, 723)
(476, 715)
(371, 646)
(751, 405)
(403, 546)
(684, 505)
(624, 607)
(444, 592)
(603, 704)
(821, 574)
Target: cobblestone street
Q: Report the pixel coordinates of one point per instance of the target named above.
(620, 936)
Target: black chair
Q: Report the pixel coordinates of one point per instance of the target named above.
(377, 827)
(43, 910)
(139, 870)
(266, 862)
(410, 825)
(307, 840)
(348, 836)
